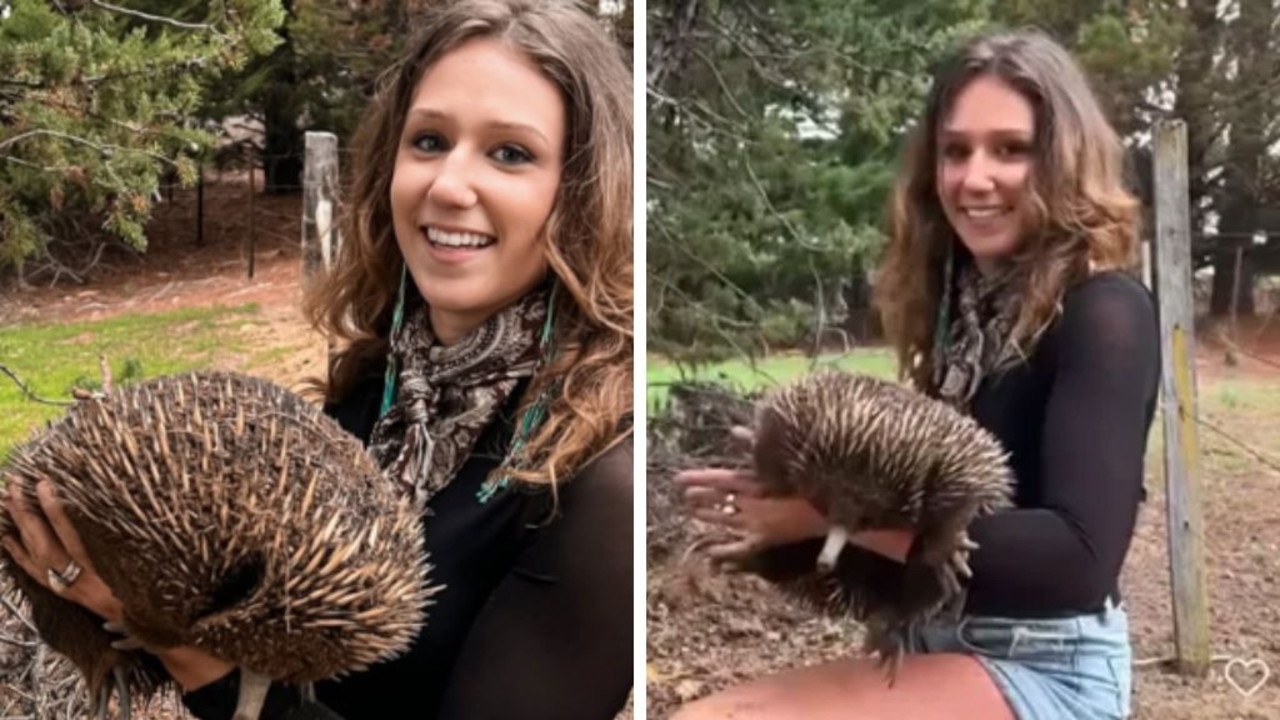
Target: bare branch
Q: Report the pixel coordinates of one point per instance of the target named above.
(158, 18)
(731, 285)
(764, 195)
(82, 141)
(28, 392)
(728, 94)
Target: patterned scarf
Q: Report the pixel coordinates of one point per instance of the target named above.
(975, 343)
(448, 395)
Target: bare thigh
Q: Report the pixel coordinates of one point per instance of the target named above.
(929, 687)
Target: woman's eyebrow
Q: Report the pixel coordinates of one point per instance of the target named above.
(962, 134)
(433, 114)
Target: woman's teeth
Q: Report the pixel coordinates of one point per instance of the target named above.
(458, 239)
(981, 213)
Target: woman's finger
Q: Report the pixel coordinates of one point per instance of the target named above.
(38, 539)
(704, 497)
(737, 481)
(20, 555)
(65, 533)
(717, 516)
(744, 437)
(733, 552)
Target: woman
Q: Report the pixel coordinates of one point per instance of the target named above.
(482, 309)
(1003, 293)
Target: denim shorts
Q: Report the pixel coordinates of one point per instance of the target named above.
(1077, 668)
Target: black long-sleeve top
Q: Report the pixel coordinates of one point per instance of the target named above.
(535, 620)
(1074, 418)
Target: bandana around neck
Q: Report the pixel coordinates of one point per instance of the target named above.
(975, 342)
(448, 395)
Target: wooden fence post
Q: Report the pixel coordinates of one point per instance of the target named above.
(319, 199)
(199, 204)
(253, 221)
(1172, 279)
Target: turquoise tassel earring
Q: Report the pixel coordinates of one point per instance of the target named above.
(535, 413)
(942, 332)
(397, 320)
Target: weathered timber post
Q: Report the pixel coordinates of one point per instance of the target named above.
(319, 198)
(253, 222)
(200, 205)
(1172, 280)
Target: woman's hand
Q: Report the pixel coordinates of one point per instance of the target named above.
(48, 548)
(733, 499)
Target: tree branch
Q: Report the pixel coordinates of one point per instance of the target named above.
(28, 392)
(82, 141)
(157, 18)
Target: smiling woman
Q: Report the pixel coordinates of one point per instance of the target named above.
(1006, 292)
(475, 180)
(481, 313)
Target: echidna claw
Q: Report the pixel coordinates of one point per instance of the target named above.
(122, 693)
(101, 702)
(126, 643)
(950, 583)
(960, 564)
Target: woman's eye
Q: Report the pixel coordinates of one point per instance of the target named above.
(512, 155)
(428, 142)
(1017, 149)
(955, 152)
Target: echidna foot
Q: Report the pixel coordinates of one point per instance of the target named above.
(948, 577)
(891, 661)
(889, 646)
(960, 558)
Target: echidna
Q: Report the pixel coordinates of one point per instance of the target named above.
(872, 455)
(228, 514)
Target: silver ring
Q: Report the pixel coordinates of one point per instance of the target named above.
(60, 581)
(729, 507)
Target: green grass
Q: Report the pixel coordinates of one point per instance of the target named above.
(767, 372)
(1245, 408)
(53, 358)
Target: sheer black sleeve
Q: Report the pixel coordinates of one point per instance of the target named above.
(554, 641)
(1067, 551)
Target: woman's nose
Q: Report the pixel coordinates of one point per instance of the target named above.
(452, 185)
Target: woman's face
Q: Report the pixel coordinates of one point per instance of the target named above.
(475, 179)
(984, 167)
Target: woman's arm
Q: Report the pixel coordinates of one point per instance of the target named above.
(1068, 551)
(554, 642)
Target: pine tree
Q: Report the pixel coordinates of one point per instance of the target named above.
(97, 103)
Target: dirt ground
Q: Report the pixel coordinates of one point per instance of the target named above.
(177, 272)
(708, 631)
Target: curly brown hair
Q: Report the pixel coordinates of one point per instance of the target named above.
(1082, 217)
(589, 231)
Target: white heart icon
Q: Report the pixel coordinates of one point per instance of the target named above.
(1246, 684)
